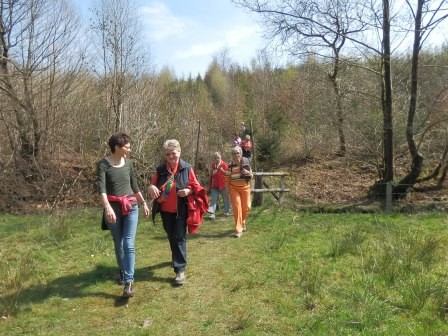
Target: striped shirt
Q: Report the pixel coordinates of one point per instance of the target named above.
(235, 179)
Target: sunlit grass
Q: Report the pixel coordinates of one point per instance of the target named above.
(290, 274)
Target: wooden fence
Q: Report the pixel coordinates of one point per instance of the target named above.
(260, 187)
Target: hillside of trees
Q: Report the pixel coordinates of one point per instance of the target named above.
(353, 118)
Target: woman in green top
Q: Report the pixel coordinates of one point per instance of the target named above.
(119, 194)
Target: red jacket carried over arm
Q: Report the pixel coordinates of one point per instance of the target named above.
(197, 207)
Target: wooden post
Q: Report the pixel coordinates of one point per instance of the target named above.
(260, 187)
(388, 197)
(197, 148)
(258, 197)
(254, 153)
(282, 187)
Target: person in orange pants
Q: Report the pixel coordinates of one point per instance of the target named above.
(238, 179)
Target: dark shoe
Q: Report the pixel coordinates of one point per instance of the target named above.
(180, 278)
(120, 277)
(128, 290)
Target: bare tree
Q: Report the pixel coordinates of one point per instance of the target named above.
(386, 94)
(426, 15)
(318, 28)
(35, 38)
(121, 58)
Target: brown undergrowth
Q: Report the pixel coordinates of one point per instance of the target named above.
(324, 184)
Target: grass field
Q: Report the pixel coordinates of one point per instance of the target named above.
(290, 274)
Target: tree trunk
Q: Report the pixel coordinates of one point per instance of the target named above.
(387, 98)
(339, 112)
(417, 159)
(443, 177)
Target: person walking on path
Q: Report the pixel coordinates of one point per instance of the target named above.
(120, 195)
(170, 187)
(246, 146)
(218, 185)
(236, 140)
(242, 128)
(238, 178)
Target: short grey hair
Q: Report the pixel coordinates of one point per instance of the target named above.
(171, 144)
(236, 149)
(217, 154)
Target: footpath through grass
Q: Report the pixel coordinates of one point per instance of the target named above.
(290, 274)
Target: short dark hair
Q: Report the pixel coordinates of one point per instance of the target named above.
(118, 139)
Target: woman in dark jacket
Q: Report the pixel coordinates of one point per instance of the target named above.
(173, 182)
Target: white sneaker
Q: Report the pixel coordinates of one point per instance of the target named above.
(227, 214)
(180, 278)
(211, 216)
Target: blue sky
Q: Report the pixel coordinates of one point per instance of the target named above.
(185, 34)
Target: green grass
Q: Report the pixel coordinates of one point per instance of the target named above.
(290, 274)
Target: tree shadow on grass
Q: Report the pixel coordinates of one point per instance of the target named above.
(75, 286)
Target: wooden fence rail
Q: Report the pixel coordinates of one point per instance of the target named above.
(261, 187)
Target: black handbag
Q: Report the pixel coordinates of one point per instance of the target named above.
(104, 222)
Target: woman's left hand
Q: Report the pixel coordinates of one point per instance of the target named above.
(184, 192)
(146, 209)
(246, 172)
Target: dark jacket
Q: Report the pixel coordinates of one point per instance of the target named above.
(182, 178)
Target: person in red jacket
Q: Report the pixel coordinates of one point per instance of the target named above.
(218, 185)
(246, 146)
(173, 182)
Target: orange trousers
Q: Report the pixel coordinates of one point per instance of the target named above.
(240, 199)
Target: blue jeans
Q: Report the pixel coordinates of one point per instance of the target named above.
(225, 197)
(123, 233)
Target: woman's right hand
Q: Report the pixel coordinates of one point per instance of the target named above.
(110, 215)
(154, 192)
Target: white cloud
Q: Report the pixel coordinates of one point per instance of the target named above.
(200, 49)
(188, 41)
(162, 23)
(235, 37)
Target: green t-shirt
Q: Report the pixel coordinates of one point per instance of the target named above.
(116, 181)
